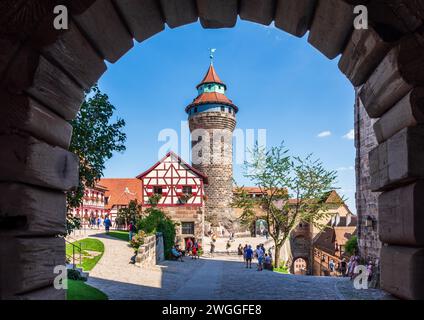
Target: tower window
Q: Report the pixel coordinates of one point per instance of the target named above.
(195, 110)
(222, 108)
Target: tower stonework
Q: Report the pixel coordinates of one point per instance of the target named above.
(212, 120)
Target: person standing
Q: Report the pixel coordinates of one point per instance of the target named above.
(240, 250)
(260, 257)
(212, 248)
(248, 255)
(98, 223)
(107, 224)
(189, 245)
(131, 229)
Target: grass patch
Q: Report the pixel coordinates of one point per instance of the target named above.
(121, 235)
(88, 244)
(282, 269)
(79, 290)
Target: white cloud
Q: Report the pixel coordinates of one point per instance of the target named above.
(324, 134)
(345, 168)
(350, 135)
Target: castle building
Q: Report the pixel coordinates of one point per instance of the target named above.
(93, 204)
(212, 120)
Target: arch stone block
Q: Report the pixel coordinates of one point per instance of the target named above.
(398, 160)
(401, 215)
(260, 11)
(362, 55)
(28, 160)
(217, 13)
(143, 17)
(30, 211)
(408, 112)
(23, 113)
(179, 12)
(77, 57)
(396, 75)
(29, 265)
(402, 271)
(331, 27)
(105, 30)
(294, 16)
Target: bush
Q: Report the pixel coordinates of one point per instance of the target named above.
(157, 221)
(351, 246)
(138, 240)
(75, 275)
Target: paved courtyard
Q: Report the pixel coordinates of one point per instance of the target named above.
(210, 278)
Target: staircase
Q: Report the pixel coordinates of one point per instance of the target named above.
(75, 259)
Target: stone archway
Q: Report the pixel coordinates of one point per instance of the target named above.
(300, 266)
(43, 73)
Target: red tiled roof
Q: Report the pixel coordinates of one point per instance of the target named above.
(211, 77)
(212, 97)
(121, 191)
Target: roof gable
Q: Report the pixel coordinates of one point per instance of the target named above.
(173, 157)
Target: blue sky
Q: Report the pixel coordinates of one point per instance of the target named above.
(279, 82)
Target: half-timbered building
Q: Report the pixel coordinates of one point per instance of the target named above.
(181, 191)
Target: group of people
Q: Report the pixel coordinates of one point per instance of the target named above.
(264, 258)
(94, 222)
(192, 249)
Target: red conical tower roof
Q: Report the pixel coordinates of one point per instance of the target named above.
(211, 77)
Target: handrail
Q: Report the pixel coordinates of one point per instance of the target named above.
(73, 252)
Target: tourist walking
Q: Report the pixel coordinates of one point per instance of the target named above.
(259, 255)
(331, 265)
(240, 250)
(212, 248)
(107, 224)
(248, 255)
(195, 250)
(343, 267)
(189, 245)
(132, 230)
(98, 223)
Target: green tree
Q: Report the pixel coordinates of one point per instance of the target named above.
(293, 190)
(95, 137)
(351, 246)
(155, 220)
(132, 213)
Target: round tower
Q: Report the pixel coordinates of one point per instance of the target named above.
(212, 119)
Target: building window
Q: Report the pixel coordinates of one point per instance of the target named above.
(195, 110)
(187, 190)
(187, 227)
(222, 108)
(157, 190)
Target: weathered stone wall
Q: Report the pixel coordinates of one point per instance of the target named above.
(151, 252)
(186, 214)
(366, 200)
(216, 162)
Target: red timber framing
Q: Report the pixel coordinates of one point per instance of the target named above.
(172, 174)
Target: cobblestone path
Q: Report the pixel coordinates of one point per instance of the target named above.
(208, 279)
